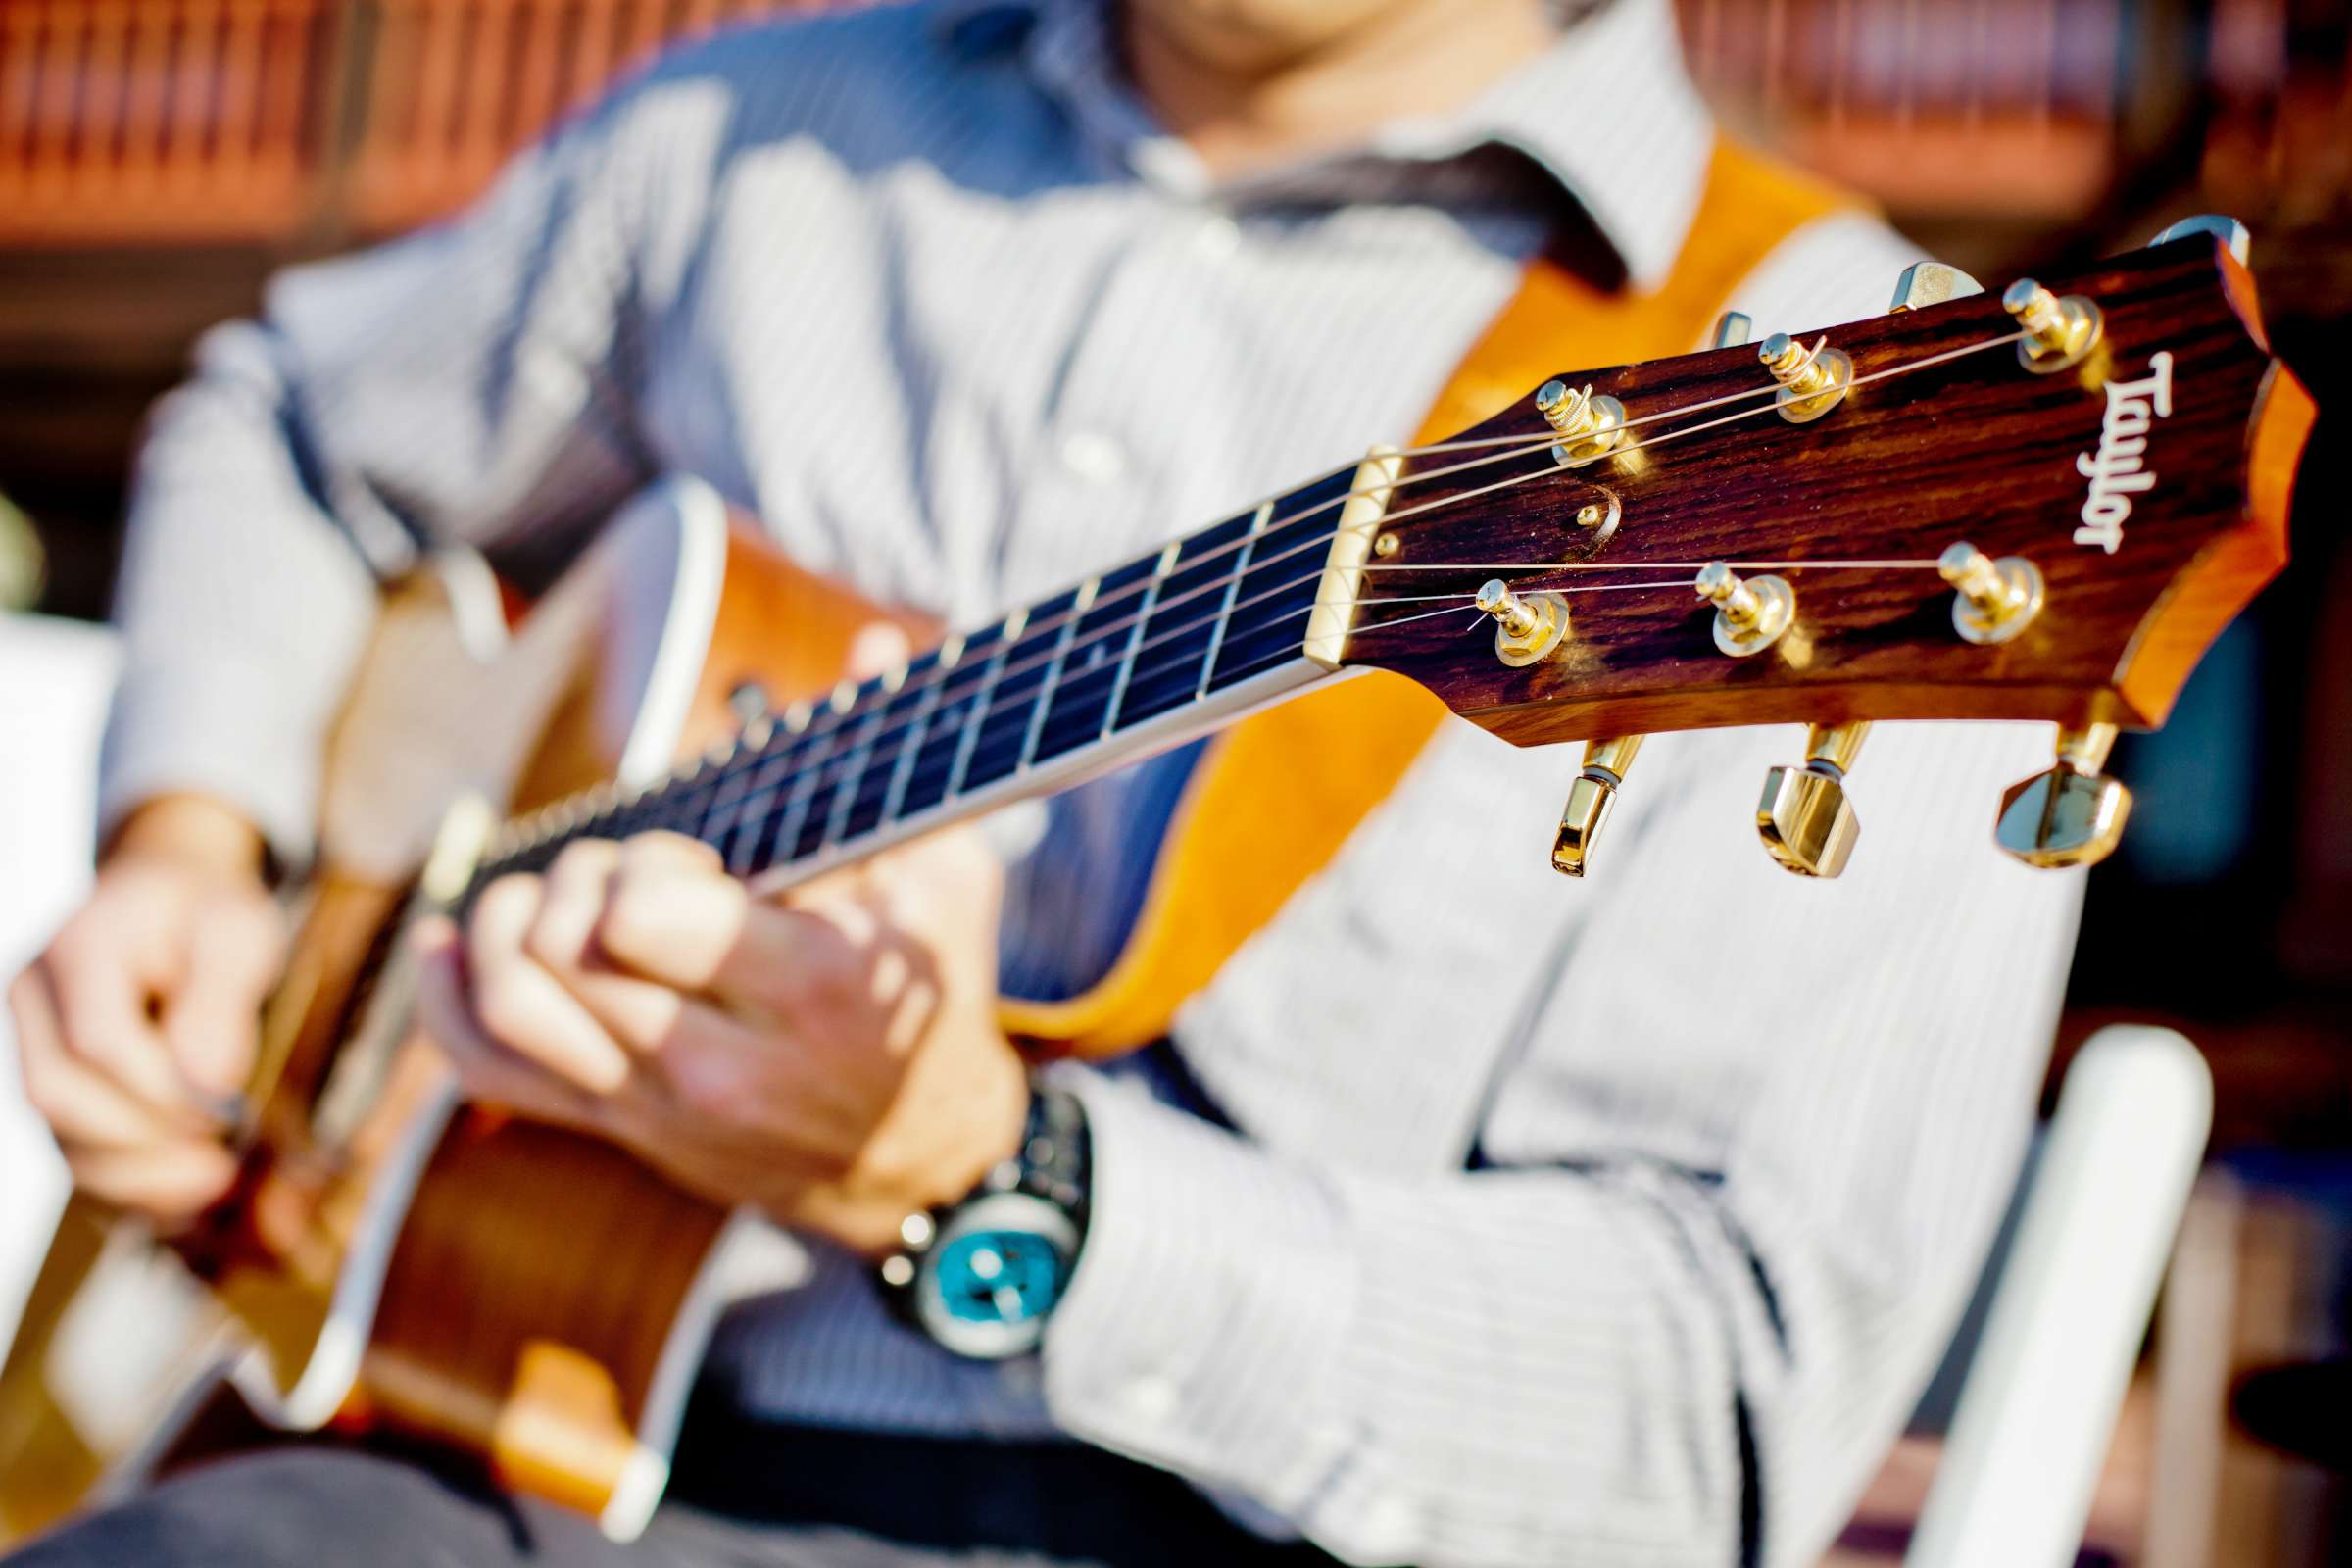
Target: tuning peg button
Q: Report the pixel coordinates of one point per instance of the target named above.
(1804, 818)
(2074, 814)
(1750, 612)
(1527, 626)
(1589, 800)
(1813, 380)
(1590, 427)
(2058, 332)
(1993, 600)
(1733, 328)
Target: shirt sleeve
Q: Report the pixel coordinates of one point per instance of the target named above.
(1738, 1188)
(472, 385)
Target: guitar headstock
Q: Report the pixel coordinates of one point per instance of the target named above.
(1898, 518)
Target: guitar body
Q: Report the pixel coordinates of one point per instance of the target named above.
(395, 1260)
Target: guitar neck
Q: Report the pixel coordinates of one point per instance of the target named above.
(1158, 651)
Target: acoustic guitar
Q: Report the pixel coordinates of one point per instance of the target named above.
(2039, 506)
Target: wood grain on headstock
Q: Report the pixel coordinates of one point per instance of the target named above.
(1972, 447)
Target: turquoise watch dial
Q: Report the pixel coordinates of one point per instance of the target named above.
(999, 1266)
(1000, 1276)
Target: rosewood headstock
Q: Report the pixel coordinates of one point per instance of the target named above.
(1773, 533)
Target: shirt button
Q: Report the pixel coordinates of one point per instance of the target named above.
(1151, 1399)
(1093, 456)
(1217, 238)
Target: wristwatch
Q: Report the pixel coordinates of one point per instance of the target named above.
(983, 1277)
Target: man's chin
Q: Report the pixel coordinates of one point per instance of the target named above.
(1250, 37)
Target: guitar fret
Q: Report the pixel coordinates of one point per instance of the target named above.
(775, 768)
(1044, 701)
(1233, 592)
(903, 771)
(979, 712)
(1173, 654)
(1276, 595)
(727, 807)
(1135, 636)
(844, 784)
(803, 791)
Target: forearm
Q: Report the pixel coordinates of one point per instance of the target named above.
(243, 609)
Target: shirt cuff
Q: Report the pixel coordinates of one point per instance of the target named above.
(212, 728)
(1202, 1327)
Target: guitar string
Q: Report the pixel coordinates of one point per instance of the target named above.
(940, 675)
(1525, 445)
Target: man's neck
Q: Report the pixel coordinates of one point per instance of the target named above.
(1415, 58)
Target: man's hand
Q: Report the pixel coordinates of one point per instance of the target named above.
(141, 1020)
(834, 1059)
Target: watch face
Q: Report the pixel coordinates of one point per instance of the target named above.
(995, 1274)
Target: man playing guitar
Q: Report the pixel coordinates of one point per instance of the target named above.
(1468, 1217)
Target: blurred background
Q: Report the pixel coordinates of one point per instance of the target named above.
(158, 158)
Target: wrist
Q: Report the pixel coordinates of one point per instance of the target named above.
(194, 832)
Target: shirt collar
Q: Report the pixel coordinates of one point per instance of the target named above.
(1608, 113)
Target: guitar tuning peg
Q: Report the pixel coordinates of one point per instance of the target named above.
(1806, 822)
(1750, 612)
(1590, 427)
(1731, 329)
(1527, 626)
(2229, 230)
(1992, 600)
(1813, 380)
(1589, 800)
(1925, 283)
(2074, 814)
(2058, 333)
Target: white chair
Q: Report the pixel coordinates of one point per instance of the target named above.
(55, 677)
(2038, 1405)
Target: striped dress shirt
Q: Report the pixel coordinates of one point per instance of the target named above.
(1612, 1222)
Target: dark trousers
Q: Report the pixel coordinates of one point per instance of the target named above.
(745, 1496)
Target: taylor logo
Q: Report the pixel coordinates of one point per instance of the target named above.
(2117, 472)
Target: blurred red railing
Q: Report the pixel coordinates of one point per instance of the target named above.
(158, 118)
(266, 120)
(318, 121)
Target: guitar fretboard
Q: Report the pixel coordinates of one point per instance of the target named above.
(1097, 674)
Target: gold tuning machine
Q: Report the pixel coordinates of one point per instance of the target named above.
(1590, 427)
(2059, 332)
(1751, 614)
(1527, 626)
(1589, 800)
(1806, 822)
(1994, 599)
(2074, 814)
(1813, 380)
(1925, 283)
